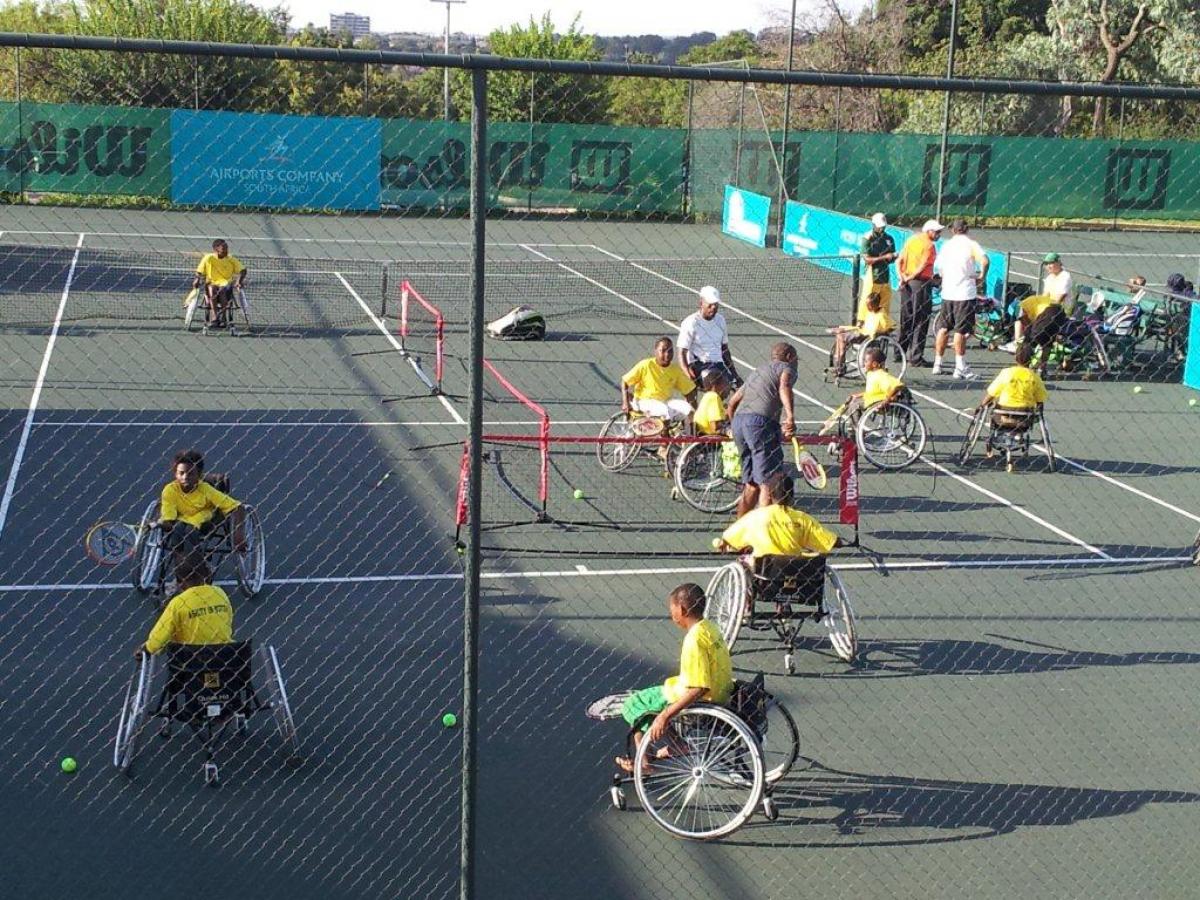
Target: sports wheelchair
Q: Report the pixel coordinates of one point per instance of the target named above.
(715, 765)
(781, 593)
(151, 551)
(708, 475)
(854, 365)
(235, 302)
(1009, 432)
(209, 688)
(891, 435)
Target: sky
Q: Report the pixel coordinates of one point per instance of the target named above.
(610, 17)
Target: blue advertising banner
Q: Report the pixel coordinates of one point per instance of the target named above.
(810, 231)
(1191, 368)
(746, 216)
(290, 162)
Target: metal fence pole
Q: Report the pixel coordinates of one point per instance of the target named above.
(1120, 140)
(475, 481)
(21, 144)
(787, 114)
(737, 150)
(529, 150)
(688, 173)
(837, 147)
(946, 109)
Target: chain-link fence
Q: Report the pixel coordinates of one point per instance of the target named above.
(443, 554)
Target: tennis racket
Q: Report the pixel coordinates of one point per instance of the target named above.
(244, 303)
(608, 707)
(806, 464)
(110, 543)
(190, 302)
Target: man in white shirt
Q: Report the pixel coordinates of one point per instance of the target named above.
(963, 266)
(704, 339)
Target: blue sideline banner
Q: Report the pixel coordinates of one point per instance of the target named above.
(746, 216)
(810, 231)
(283, 162)
(1191, 369)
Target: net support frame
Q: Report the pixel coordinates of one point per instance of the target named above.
(408, 293)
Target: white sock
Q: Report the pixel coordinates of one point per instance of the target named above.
(960, 362)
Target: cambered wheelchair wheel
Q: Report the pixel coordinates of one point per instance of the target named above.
(701, 480)
(1196, 550)
(1051, 459)
(133, 713)
(839, 618)
(615, 457)
(148, 552)
(974, 430)
(281, 707)
(891, 348)
(251, 565)
(189, 312)
(726, 600)
(706, 776)
(891, 436)
(779, 740)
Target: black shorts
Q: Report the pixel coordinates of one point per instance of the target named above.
(957, 317)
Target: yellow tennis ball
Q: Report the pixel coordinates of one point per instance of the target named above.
(1191, 401)
(1137, 388)
(716, 542)
(69, 765)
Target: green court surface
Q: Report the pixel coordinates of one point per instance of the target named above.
(1014, 722)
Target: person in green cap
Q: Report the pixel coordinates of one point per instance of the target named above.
(1056, 289)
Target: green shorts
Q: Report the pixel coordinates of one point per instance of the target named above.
(646, 702)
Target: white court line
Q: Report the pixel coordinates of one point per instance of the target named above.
(934, 400)
(382, 326)
(288, 240)
(584, 571)
(936, 466)
(11, 485)
(316, 423)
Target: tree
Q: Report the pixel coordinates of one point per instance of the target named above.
(555, 97)
(37, 66)
(647, 102)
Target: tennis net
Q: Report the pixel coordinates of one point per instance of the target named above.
(128, 288)
(422, 333)
(625, 296)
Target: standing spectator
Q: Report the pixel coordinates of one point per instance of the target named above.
(878, 252)
(916, 290)
(754, 412)
(963, 266)
(704, 339)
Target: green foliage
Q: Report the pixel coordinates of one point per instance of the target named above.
(648, 102)
(981, 23)
(735, 45)
(556, 98)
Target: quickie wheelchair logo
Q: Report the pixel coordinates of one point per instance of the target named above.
(968, 169)
(1136, 178)
(212, 681)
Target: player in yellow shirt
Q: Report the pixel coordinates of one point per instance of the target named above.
(199, 614)
(881, 387)
(1018, 386)
(874, 323)
(216, 273)
(190, 507)
(710, 416)
(705, 671)
(651, 385)
(779, 529)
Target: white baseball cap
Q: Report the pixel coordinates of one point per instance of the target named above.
(933, 225)
(879, 220)
(710, 294)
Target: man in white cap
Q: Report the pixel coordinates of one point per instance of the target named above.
(915, 268)
(878, 251)
(963, 266)
(704, 339)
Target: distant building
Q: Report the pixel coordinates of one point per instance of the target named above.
(353, 24)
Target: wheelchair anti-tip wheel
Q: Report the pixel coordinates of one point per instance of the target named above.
(839, 618)
(701, 480)
(705, 776)
(614, 457)
(251, 564)
(891, 436)
(726, 597)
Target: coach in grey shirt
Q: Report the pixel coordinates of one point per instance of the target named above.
(754, 410)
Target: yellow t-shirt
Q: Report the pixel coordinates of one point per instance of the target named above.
(879, 383)
(710, 411)
(876, 323)
(199, 615)
(1034, 306)
(650, 381)
(219, 271)
(779, 531)
(195, 507)
(1017, 388)
(703, 662)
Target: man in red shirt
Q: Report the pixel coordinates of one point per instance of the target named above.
(916, 286)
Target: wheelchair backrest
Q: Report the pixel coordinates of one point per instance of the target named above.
(749, 702)
(1013, 418)
(210, 673)
(219, 480)
(793, 579)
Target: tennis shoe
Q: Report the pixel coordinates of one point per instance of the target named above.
(964, 374)
(1010, 347)
(937, 367)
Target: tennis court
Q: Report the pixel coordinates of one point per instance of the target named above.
(1026, 638)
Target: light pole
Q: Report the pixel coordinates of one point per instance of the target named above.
(446, 50)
